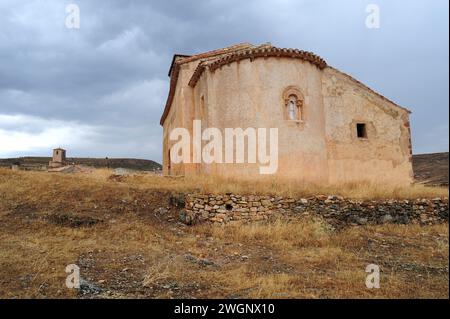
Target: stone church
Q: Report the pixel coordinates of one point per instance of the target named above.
(331, 127)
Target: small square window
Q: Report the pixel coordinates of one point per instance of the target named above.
(361, 130)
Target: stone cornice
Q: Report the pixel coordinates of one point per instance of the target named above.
(216, 59)
(254, 54)
(230, 55)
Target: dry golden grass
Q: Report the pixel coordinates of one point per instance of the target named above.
(310, 260)
(133, 252)
(208, 184)
(271, 186)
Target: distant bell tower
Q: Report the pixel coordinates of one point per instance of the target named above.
(59, 158)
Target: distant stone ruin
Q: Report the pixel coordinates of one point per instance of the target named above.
(59, 158)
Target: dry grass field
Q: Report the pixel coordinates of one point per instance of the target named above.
(109, 228)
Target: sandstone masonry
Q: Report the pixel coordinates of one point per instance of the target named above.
(231, 208)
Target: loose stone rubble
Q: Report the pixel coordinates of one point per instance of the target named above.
(231, 208)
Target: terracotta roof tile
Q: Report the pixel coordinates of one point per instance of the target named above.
(208, 54)
(217, 52)
(254, 53)
(175, 58)
(215, 59)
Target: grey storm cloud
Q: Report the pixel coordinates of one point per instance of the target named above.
(100, 90)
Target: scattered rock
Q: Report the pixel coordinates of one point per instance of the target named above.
(178, 200)
(361, 221)
(87, 287)
(161, 211)
(386, 219)
(123, 171)
(200, 261)
(185, 217)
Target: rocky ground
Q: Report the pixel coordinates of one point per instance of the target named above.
(126, 237)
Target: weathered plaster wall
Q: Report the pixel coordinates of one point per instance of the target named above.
(180, 115)
(249, 94)
(385, 155)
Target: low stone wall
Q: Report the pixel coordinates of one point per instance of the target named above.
(335, 209)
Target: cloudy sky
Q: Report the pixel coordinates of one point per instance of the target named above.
(100, 90)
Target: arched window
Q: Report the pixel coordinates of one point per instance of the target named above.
(292, 108)
(293, 103)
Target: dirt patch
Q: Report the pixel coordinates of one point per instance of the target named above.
(23, 210)
(117, 178)
(73, 221)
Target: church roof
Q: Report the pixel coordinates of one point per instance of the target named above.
(215, 59)
(256, 52)
(174, 59)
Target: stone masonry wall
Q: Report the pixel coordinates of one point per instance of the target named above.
(335, 209)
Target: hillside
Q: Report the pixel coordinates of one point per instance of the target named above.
(431, 169)
(129, 163)
(125, 236)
